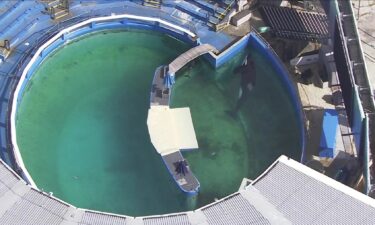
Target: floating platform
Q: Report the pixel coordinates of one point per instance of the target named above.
(171, 130)
(187, 182)
(159, 94)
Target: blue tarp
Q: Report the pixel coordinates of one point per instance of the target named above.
(169, 81)
(329, 129)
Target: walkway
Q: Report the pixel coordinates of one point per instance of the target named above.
(171, 130)
(188, 56)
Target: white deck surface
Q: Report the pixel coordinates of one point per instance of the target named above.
(171, 129)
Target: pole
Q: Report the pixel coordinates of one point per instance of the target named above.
(359, 7)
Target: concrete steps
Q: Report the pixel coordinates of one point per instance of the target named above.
(152, 3)
(59, 13)
(57, 8)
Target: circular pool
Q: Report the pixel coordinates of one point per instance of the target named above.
(81, 124)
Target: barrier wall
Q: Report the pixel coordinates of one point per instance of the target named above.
(343, 70)
(234, 49)
(360, 106)
(261, 45)
(358, 117)
(365, 146)
(353, 105)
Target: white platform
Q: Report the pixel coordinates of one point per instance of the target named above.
(171, 129)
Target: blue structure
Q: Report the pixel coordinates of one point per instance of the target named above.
(259, 43)
(169, 80)
(329, 130)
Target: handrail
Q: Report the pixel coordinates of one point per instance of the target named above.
(222, 14)
(368, 98)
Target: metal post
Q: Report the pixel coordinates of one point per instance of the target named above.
(7, 45)
(67, 5)
(359, 7)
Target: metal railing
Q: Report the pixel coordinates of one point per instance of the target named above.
(360, 84)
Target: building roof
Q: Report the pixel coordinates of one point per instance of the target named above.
(306, 196)
(286, 193)
(294, 24)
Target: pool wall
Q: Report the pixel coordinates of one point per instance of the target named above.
(256, 41)
(91, 27)
(229, 53)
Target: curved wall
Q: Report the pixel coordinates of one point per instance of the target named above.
(262, 46)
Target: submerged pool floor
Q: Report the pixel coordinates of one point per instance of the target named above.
(81, 125)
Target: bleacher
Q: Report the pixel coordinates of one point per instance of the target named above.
(15, 24)
(3, 6)
(23, 32)
(210, 13)
(193, 10)
(19, 19)
(208, 7)
(9, 10)
(16, 19)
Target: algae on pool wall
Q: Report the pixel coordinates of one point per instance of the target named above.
(82, 127)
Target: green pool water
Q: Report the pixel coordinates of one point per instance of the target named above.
(81, 125)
